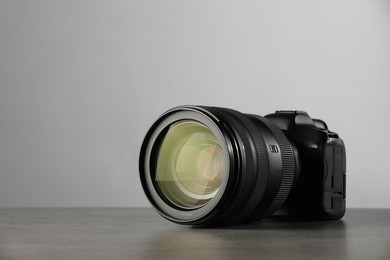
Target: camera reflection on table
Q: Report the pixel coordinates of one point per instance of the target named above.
(270, 237)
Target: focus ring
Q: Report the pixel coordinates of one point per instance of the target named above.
(254, 168)
(288, 168)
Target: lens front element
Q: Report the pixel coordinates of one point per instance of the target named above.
(190, 164)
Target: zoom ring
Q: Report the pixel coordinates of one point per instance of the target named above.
(288, 169)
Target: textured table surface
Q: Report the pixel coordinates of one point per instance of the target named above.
(140, 233)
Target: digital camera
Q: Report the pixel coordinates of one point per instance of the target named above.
(212, 166)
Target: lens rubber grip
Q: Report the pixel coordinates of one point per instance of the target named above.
(288, 170)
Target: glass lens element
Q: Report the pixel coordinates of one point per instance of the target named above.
(190, 164)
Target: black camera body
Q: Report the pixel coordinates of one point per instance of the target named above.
(202, 165)
(319, 187)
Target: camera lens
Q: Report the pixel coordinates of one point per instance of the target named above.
(210, 165)
(190, 164)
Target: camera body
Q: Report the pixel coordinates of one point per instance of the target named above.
(202, 165)
(319, 183)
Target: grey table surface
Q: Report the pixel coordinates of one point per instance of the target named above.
(140, 233)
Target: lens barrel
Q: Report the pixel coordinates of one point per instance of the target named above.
(211, 165)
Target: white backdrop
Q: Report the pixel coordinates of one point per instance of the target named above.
(82, 81)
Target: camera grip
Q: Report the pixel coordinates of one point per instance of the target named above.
(334, 177)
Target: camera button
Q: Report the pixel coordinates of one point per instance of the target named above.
(303, 119)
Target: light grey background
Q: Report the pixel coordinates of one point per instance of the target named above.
(82, 81)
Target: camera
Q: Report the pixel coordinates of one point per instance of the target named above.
(202, 165)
